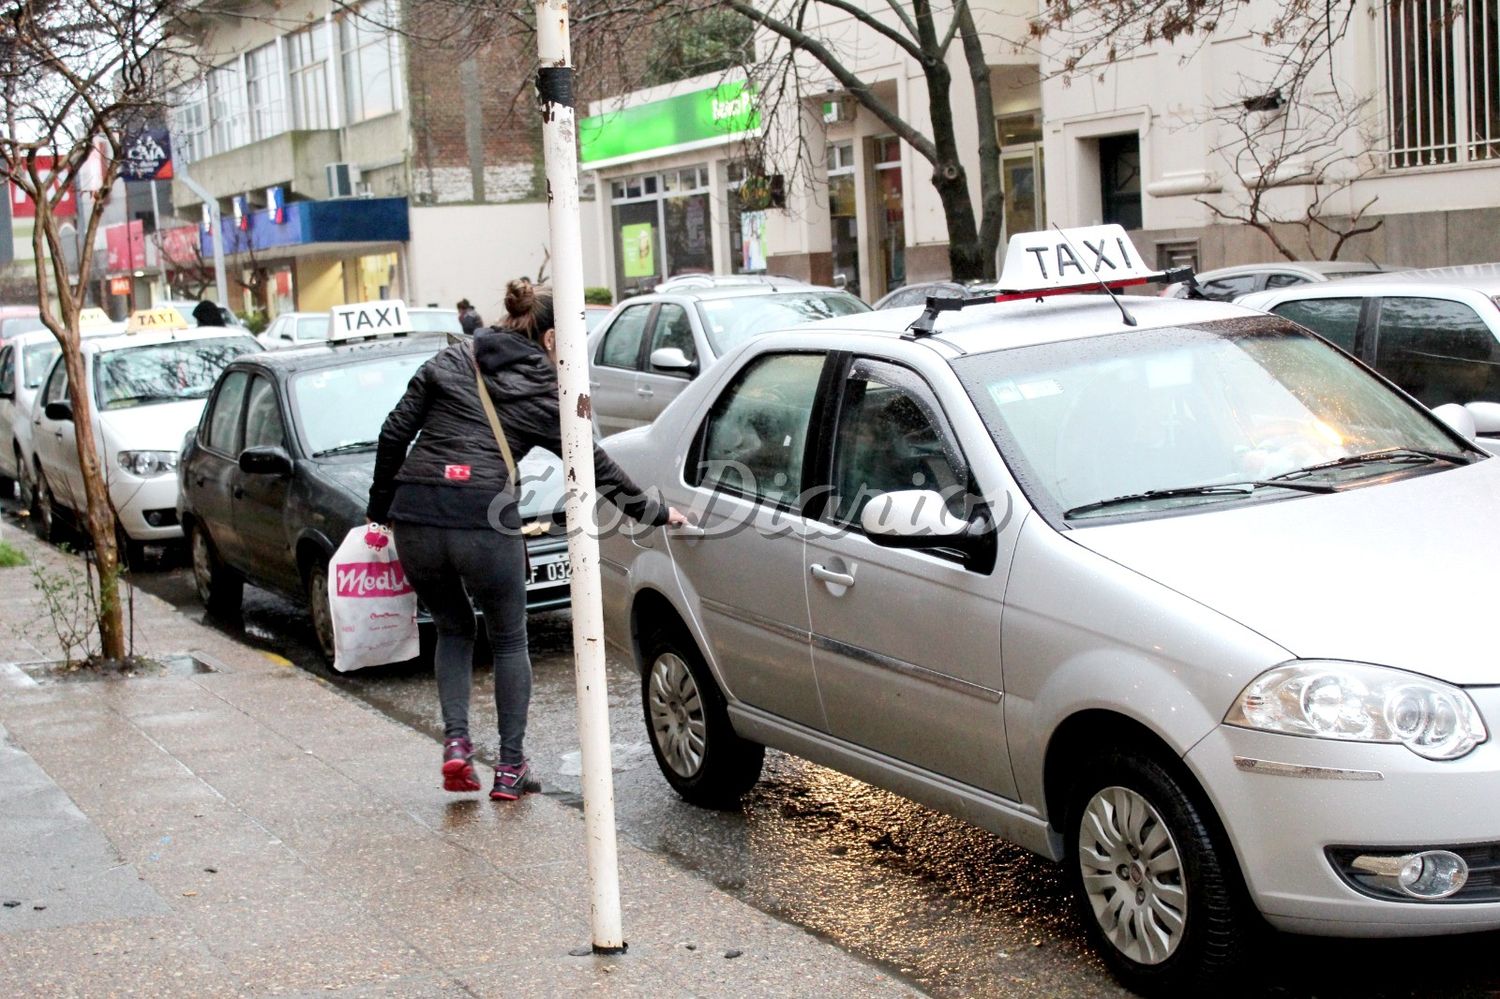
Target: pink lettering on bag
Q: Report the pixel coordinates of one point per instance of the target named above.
(370, 579)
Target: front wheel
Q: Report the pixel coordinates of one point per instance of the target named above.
(317, 604)
(1156, 886)
(48, 518)
(691, 736)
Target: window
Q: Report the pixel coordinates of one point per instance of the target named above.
(57, 385)
(367, 43)
(889, 438)
(226, 108)
(843, 215)
(622, 341)
(312, 328)
(224, 421)
(1284, 279)
(673, 329)
(343, 407)
(307, 69)
(731, 321)
(36, 361)
(188, 120)
(7, 371)
(1437, 350)
(1120, 180)
(267, 98)
(263, 426)
(165, 372)
(1334, 319)
(1442, 65)
(1224, 288)
(754, 439)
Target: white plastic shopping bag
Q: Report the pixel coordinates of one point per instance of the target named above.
(374, 608)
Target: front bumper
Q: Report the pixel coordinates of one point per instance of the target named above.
(1281, 825)
(135, 499)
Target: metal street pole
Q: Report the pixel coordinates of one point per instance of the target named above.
(555, 90)
(216, 224)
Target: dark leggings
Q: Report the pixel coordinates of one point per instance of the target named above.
(447, 566)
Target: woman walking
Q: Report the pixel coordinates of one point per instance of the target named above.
(451, 503)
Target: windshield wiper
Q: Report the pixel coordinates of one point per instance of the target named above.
(126, 400)
(344, 448)
(1212, 489)
(1390, 455)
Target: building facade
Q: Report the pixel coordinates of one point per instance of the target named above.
(354, 157)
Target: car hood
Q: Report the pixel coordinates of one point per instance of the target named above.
(352, 476)
(1401, 574)
(156, 427)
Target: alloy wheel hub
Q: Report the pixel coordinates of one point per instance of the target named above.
(1132, 875)
(678, 725)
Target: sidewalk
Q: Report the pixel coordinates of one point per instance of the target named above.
(251, 831)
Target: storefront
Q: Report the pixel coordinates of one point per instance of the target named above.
(675, 194)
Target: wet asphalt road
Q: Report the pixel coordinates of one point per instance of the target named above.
(946, 906)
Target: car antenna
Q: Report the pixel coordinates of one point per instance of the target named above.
(1124, 313)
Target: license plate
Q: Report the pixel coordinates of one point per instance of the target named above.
(552, 569)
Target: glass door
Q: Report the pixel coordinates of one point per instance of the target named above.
(1021, 178)
(890, 216)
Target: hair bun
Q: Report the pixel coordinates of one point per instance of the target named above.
(520, 298)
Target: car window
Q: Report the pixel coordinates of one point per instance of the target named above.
(1334, 319)
(890, 438)
(673, 329)
(164, 372)
(263, 426)
(312, 328)
(224, 419)
(36, 361)
(57, 384)
(342, 408)
(756, 433)
(732, 321)
(1283, 279)
(7, 371)
(622, 341)
(1439, 351)
(1224, 288)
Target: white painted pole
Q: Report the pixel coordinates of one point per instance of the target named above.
(215, 222)
(555, 90)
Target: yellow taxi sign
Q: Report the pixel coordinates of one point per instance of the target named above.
(368, 319)
(162, 318)
(93, 318)
(1056, 259)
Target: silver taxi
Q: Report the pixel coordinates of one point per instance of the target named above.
(1146, 587)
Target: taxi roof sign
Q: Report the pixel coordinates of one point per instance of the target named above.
(93, 318)
(162, 318)
(367, 319)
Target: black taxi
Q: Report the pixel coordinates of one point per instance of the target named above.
(278, 471)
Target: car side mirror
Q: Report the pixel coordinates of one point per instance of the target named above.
(911, 518)
(265, 460)
(672, 359)
(1486, 416)
(61, 410)
(1458, 418)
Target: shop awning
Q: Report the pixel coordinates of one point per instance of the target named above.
(309, 225)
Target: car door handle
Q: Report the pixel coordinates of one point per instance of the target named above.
(829, 576)
(687, 531)
(644, 392)
(594, 383)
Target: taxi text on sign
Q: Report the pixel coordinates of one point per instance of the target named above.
(165, 318)
(1069, 257)
(368, 319)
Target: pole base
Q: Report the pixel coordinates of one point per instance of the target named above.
(611, 950)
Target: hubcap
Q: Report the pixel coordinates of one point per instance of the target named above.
(677, 722)
(1132, 874)
(322, 618)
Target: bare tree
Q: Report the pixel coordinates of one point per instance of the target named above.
(72, 73)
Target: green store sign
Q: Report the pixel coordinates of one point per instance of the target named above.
(702, 118)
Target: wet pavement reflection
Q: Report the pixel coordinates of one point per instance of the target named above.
(950, 908)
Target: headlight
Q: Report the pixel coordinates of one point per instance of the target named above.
(1360, 703)
(145, 464)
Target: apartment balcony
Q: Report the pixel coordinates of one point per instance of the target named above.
(293, 160)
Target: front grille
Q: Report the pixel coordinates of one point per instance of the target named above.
(1484, 872)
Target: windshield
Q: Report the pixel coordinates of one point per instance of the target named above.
(312, 328)
(164, 372)
(435, 320)
(732, 321)
(1090, 420)
(343, 408)
(23, 324)
(36, 361)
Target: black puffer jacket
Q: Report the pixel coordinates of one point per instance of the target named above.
(442, 411)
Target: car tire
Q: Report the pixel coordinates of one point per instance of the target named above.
(316, 579)
(686, 720)
(47, 517)
(219, 587)
(1144, 854)
(25, 489)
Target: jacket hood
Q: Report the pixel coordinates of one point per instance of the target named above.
(513, 365)
(1398, 574)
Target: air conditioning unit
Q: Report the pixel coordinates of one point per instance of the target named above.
(341, 180)
(364, 190)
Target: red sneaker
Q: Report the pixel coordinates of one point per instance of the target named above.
(513, 780)
(458, 766)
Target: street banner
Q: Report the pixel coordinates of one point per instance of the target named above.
(148, 155)
(21, 206)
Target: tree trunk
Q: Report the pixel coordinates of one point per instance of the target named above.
(965, 257)
(991, 190)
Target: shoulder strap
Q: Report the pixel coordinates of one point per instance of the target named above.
(494, 418)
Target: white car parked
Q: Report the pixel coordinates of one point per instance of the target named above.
(24, 363)
(146, 390)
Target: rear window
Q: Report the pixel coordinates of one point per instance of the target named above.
(732, 321)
